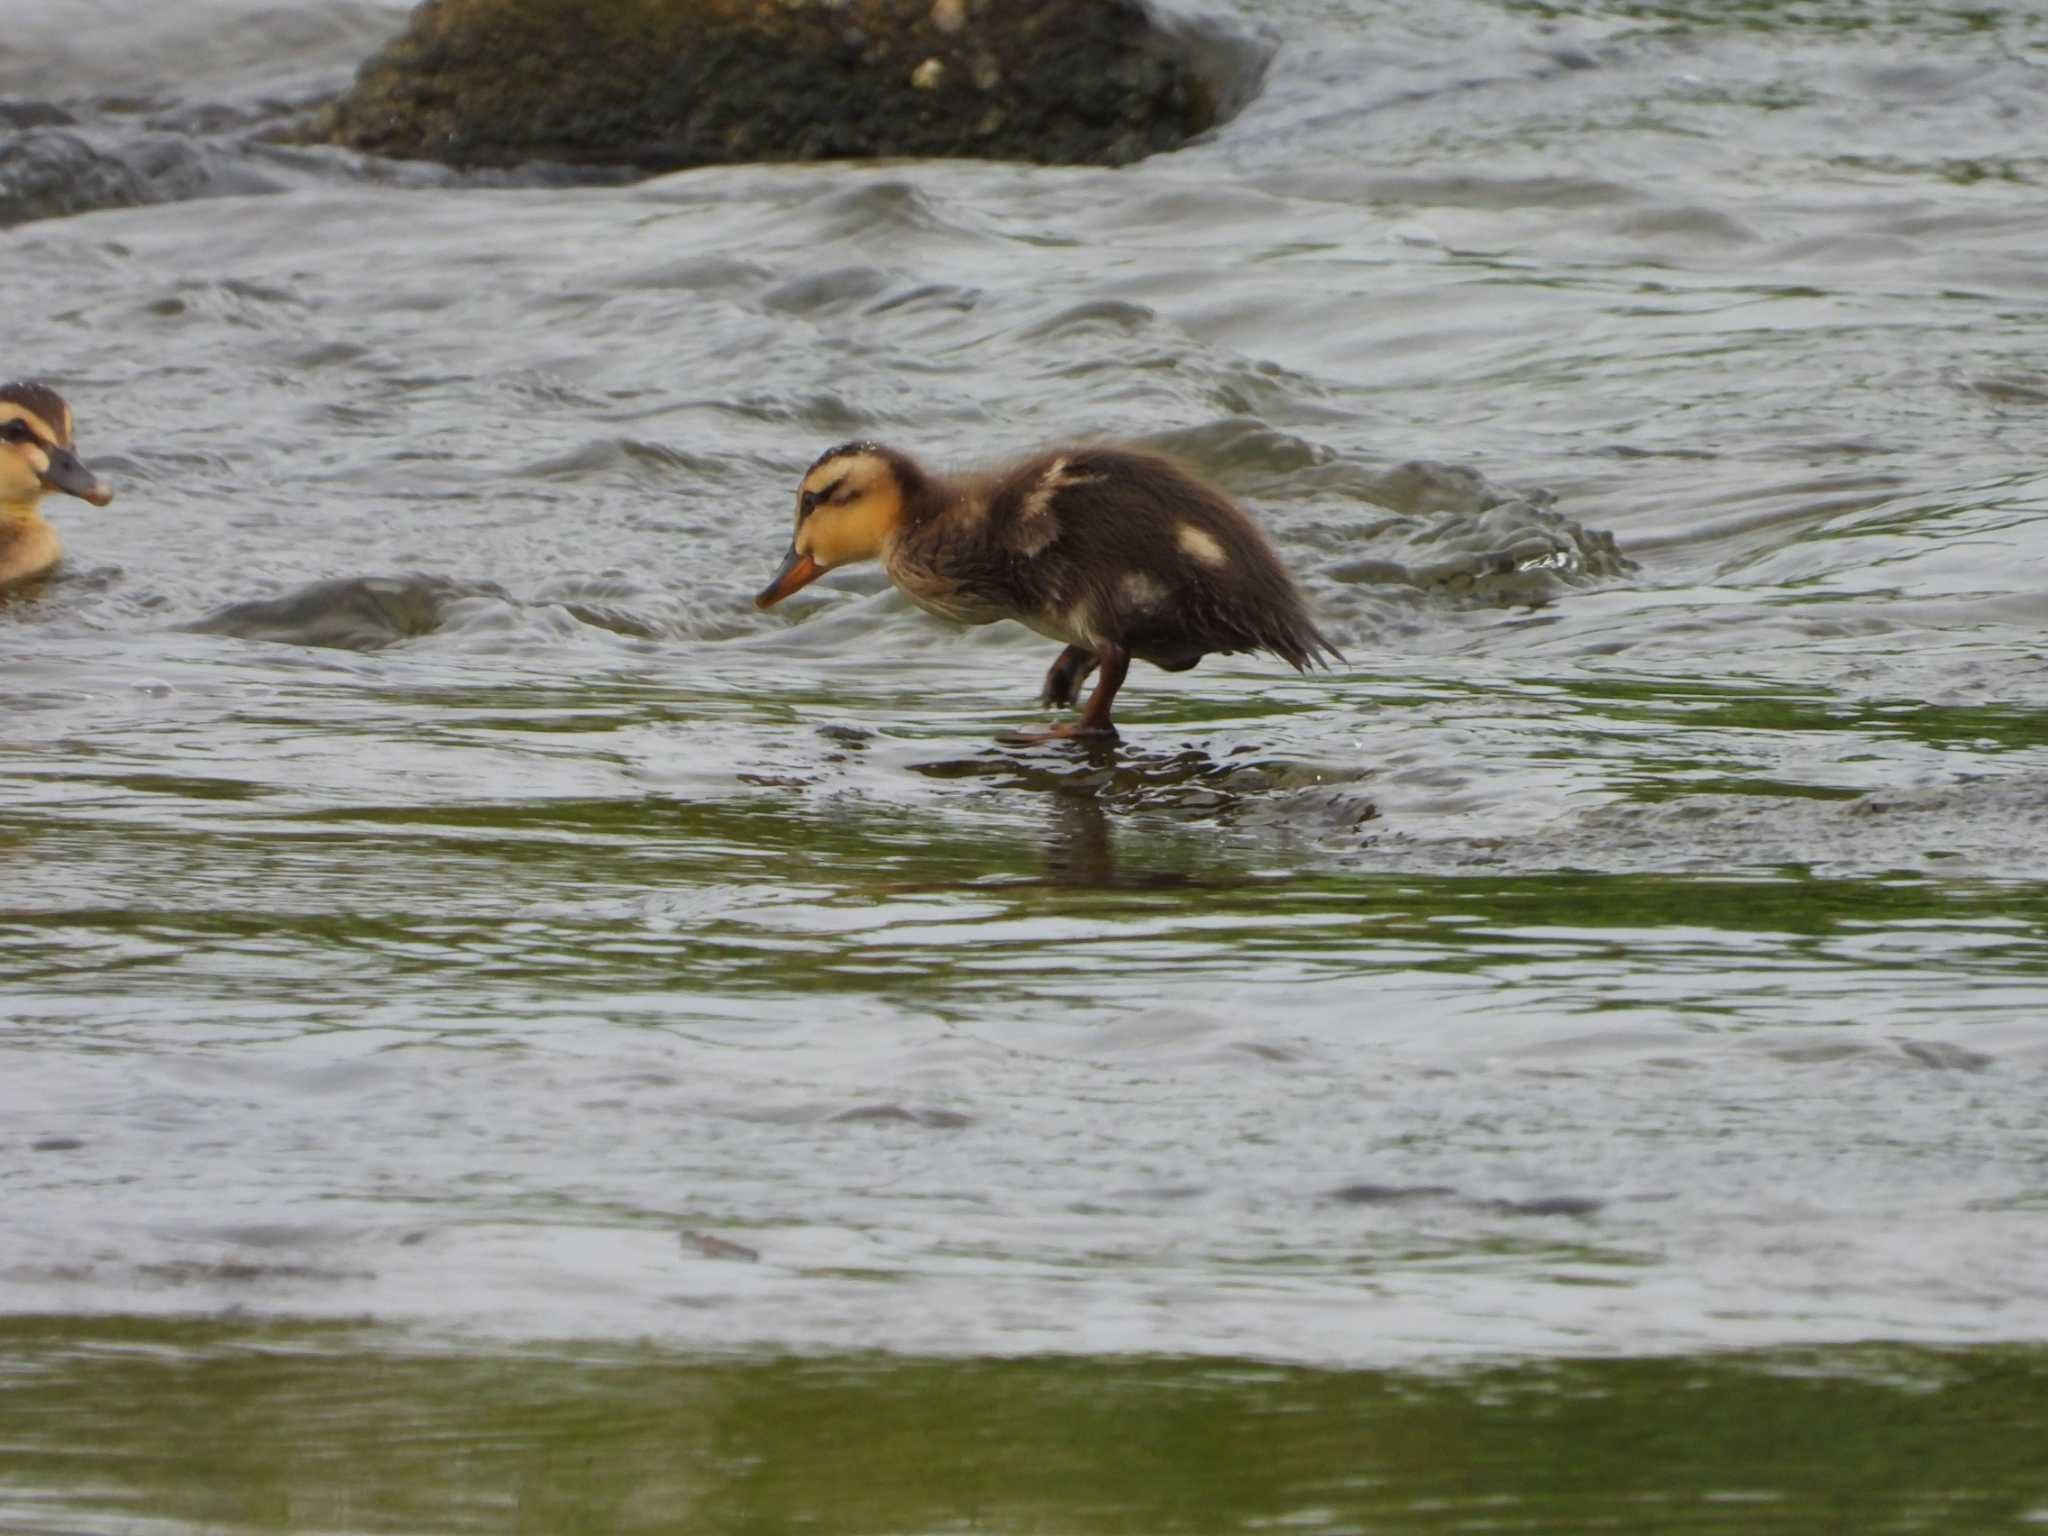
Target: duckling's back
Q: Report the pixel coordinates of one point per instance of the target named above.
(1129, 547)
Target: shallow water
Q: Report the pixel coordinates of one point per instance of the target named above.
(453, 939)
(321, 1438)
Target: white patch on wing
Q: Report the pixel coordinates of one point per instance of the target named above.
(1049, 482)
(1037, 525)
(1081, 626)
(1141, 591)
(1202, 544)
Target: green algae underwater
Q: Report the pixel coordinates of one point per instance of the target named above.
(214, 1426)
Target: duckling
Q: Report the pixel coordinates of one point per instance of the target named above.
(35, 457)
(1116, 552)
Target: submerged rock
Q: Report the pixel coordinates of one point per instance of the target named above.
(48, 173)
(351, 613)
(663, 84)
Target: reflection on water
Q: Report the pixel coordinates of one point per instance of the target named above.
(1078, 849)
(1087, 788)
(116, 1425)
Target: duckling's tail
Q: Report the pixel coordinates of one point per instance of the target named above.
(1302, 646)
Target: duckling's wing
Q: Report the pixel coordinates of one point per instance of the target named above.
(1131, 548)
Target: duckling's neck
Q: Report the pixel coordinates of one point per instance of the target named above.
(941, 500)
(28, 545)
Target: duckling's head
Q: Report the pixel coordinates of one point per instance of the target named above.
(35, 449)
(850, 502)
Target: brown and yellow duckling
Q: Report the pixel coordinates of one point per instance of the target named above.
(36, 457)
(1115, 552)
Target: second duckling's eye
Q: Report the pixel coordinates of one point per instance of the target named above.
(805, 502)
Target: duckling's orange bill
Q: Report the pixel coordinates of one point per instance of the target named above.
(797, 571)
(67, 473)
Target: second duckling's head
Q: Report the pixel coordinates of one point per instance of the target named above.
(35, 449)
(850, 502)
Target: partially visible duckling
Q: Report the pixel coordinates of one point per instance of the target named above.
(1115, 552)
(36, 457)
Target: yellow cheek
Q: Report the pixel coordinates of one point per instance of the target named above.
(18, 478)
(823, 541)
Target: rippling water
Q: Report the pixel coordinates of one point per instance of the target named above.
(444, 920)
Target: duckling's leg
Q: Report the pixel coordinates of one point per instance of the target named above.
(1064, 677)
(1094, 723)
(1115, 661)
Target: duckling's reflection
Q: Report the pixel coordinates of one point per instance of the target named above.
(1082, 835)
(1080, 849)
(1099, 798)
(1087, 847)
(1080, 784)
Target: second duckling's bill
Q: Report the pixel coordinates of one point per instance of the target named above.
(1115, 552)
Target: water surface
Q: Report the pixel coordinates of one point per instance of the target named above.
(456, 947)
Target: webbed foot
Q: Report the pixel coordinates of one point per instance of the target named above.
(1098, 736)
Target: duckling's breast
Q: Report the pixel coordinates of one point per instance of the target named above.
(28, 547)
(944, 583)
(954, 603)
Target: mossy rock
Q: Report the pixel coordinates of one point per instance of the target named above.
(657, 85)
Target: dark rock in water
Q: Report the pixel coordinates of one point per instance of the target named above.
(663, 84)
(931, 1119)
(34, 114)
(712, 1246)
(1550, 1205)
(354, 613)
(47, 173)
(1390, 1194)
(1458, 535)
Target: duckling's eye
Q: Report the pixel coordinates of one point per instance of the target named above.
(810, 499)
(17, 431)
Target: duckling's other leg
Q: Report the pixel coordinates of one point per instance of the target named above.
(1064, 677)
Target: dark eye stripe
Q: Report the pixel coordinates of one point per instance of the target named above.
(810, 499)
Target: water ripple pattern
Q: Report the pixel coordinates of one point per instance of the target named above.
(431, 893)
